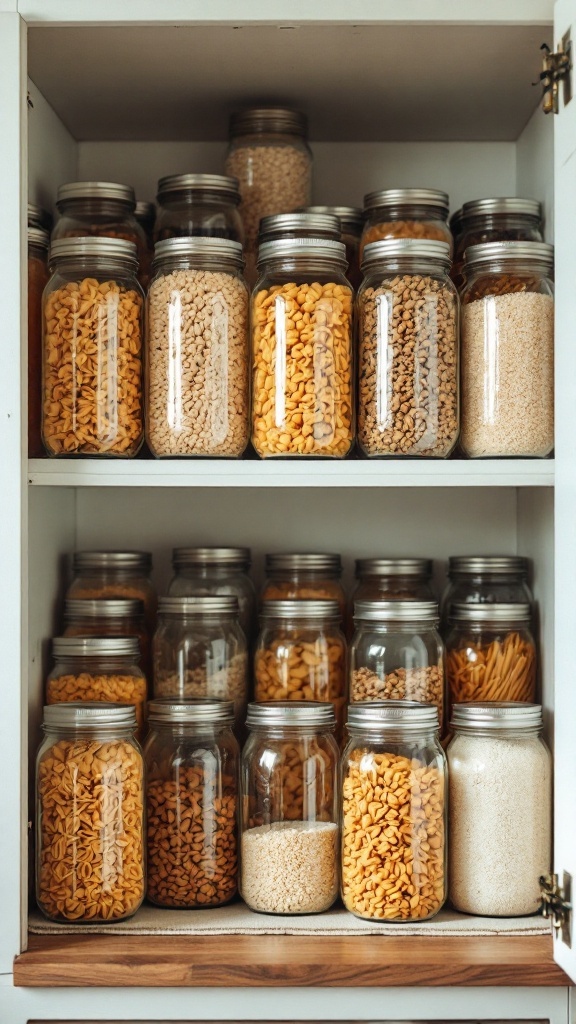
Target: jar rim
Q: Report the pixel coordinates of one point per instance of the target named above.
(502, 204)
(95, 647)
(190, 557)
(221, 186)
(498, 613)
(96, 190)
(38, 217)
(259, 120)
(300, 609)
(184, 607)
(223, 249)
(351, 217)
(304, 561)
(328, 249)
(90, 715)
(496, 716)
(145, 210)
(82, 560)
(394, 567)
(386, 197)
(118, 250)
(294, 713)
(512, 565)
(103, 607)
(197, 711)
(496, 252)
(391, 715)
(414, 612)
(385, 249)
(39, 237)
(282, 225)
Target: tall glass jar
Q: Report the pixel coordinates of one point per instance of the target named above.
(508, 350)
(486, 579)
(408, 324)
(393, 579)
(90, 859)
(270, 157)
(300, 224)
(105, 617)
(351, 220)
(304, 577)
(302, 389)
(490, 653)
(420, 213)
(216, 572)
(98, 574)
(289, 858)
(199, 650)
(495, 220)
(92, 375)
(500, 832)
(198, 205)
(394, 771)
(38, 241)
(192, 772)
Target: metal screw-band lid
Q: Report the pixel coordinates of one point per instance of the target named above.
(190, 558)
(490, 613)
(290, 225)
(85, 560)
(89, 715)
(95, 647)
(390, 197)
(268, 119)
(305, 609)
(320, 562)
(500, 205)
(39, 237)
(403, 248)
(502, 252)
(103, 608)
(116, 250)
(221, 249)
(307, 714)
(421, 567)
(397, 611)
(392, 715)
(351, 217)
(96, 190)
(200, 711)
(38, 217)
(476, 565)
(298, 248)
(184, 607)
(216, 186)
(496, 716)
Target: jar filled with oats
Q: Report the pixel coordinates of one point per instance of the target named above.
(486, 579)
(289, 848)
(304, 576)
(192, 772)
(105, 617)
(351, 219)
(38, 242)
(198, 205)
(408, 320)
(197, 393)
(302, 389)
(90, 858)
(420, 213)
(215, 572)
(393, 770)
(495, 220)
(508, 350)
(393, 579)
(117, 574)
(92, 374)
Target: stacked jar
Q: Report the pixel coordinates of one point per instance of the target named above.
(304, 577)
(198, 205)
(486, 579)
(115, 574)
(420, 213)
(351, 220)
(38, 242)
(216, 572)
(105, 617)
(495, 220)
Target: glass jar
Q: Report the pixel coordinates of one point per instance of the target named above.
(495, 220)
(90, 862)
(300, 224)
(393, 579)
(104, 209)
(93, 349)
(38, 242)
(98, 669)
(302, 390)
(197, 368)
(110, 617)
(508, 350)
(351, 220)
(500, 773)
(304, 577)
(40, 218)
(289, 849)
(397, 653)
(486, 579)
(98, 574)
(420, 213)
(490, 653)
(199, 650)
(408, 324)
(192, 774)
(270, 157)
(198, 205)
(393, 770)
(216, 572)
(145, 214)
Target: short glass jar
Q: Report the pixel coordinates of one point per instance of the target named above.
(500, 773)
(38, 242)
(198, 205)
(393, 769)
(92, 373)
(490, 653)
(104, 617)
(199, 650)
(90, 859)
(393, 579)
(192, 792)
(495, 220)
(408, 329)
(508, 350)
(116, 574)
(289, 850)
(486, 579)
(351, 220)
(216, 572)
(420, 213)
(304, 577)
(302, 388)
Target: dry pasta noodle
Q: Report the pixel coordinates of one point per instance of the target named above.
(502, 670)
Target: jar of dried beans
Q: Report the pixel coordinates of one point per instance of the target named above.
(486, 579)
(495, 220)
(394, 841)
(197, 399)
(289, 849)
(408, 313)
(508, 350)
(304, 577)
(490, 653)
(90, 860)
(406, 213)
(98, 574)
(38, 241)
(198, 205)
(393, 579)
(93, 349)
(351, 220)
(192, 770)
(302, 389)
(214, 572)
(105, 617)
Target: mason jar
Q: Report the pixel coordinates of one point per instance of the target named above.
(301, 224)
(393, 769)
(40, 218)
(408, 324)
(302, 389)
(117, 574)
(192, 795)
(90, 857)
(216, 572)
(486, 579)
(490, 653)
(104, 617)
(351, 220)
(508, 350)
(38, 242)
(197, 375)
(92, 373)
(393, 579)
(304, 576)
(289, 847)
(500, 831)
(420, 213)
(198, 205)
(508, 219)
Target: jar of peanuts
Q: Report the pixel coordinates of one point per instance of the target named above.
(38, 242)
(198, 205)
(304, 577)
(302, 388)
(216, 572)
(197, 391)
(289, 848)
(408, 318)
(393, 579)
(199, 650)
(397, 653)
(117, 574)
(508, 350)
(92, 374)
(98, 669)
(351, 219)
(192, 790)
(393, 770)
(90, 859)
(495, 220)
(485, 579)
(107, 616)
(420, 213)
(490, 653)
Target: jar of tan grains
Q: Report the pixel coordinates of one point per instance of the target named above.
(216, 572)
(393, 769)
(289, 849)
(495, 220)
(90, 859)
(351, 219)
(420, 213)
(38, 242)
(198, 205)
(304, 576)
(110, 617)
(117, 574)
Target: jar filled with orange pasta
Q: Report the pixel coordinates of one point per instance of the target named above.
(406, 213)
(303, 577)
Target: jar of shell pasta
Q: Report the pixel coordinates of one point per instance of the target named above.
(420, 213)
(90, 857)
(116, 574)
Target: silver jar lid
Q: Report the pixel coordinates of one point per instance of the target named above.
(103, 608)
(223, 249)
(95, 647)
(391, 715)
(193, 558)
(289, 225)
(39, 237)
(503, 252)
(496, 716)
(311, 248)
(268, 119)
(478, 565)
(117, 250)
(200, 711)
(389, 197)
(221, 186)
(487, 613)
(304, 713)
(297, 562)
(402, 248)
(306, 609)
(351, 217)
(394, 567)
(397, 611)
(145, 211)
(99, 560)
(186, 607)
(502, 204)
(96, 190)
(38, 217)
(89, 715)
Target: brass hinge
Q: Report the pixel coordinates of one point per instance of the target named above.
(556, 68)
(557, 904)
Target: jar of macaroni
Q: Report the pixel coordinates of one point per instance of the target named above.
(117, 574)
(38, 242)
(105, 617)
(420, 213)
(393, 579)
(486, 579)
(508, 219)
(304, 577)
(198, 205)
(216, 572)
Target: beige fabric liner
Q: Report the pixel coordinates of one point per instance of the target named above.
(236, 919)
